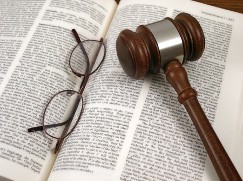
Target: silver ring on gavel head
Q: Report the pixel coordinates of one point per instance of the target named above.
(169, 41)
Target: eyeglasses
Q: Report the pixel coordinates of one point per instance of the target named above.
(64, 109)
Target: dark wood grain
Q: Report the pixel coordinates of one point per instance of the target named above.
(233, 5)
(177, 77)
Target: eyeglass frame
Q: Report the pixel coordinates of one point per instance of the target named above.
(85, 76)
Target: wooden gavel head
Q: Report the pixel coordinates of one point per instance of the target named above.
(153, 46)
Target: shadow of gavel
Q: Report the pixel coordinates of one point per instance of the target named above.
(166, 45)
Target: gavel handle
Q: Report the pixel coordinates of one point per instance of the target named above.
(177, 77)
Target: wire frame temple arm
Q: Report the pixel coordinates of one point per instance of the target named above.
(41, 128)
(76, 36)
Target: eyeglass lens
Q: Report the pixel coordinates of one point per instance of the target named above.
(64, 108)
(95, 51)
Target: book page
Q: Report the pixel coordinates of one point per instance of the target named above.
(36, 42)
(166, 145)
(136, 129)
(227, 122)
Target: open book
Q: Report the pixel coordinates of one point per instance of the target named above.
(130, 129)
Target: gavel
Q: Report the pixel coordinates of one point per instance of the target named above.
(167, 45)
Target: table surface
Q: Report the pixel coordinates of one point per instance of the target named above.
(233, 5)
